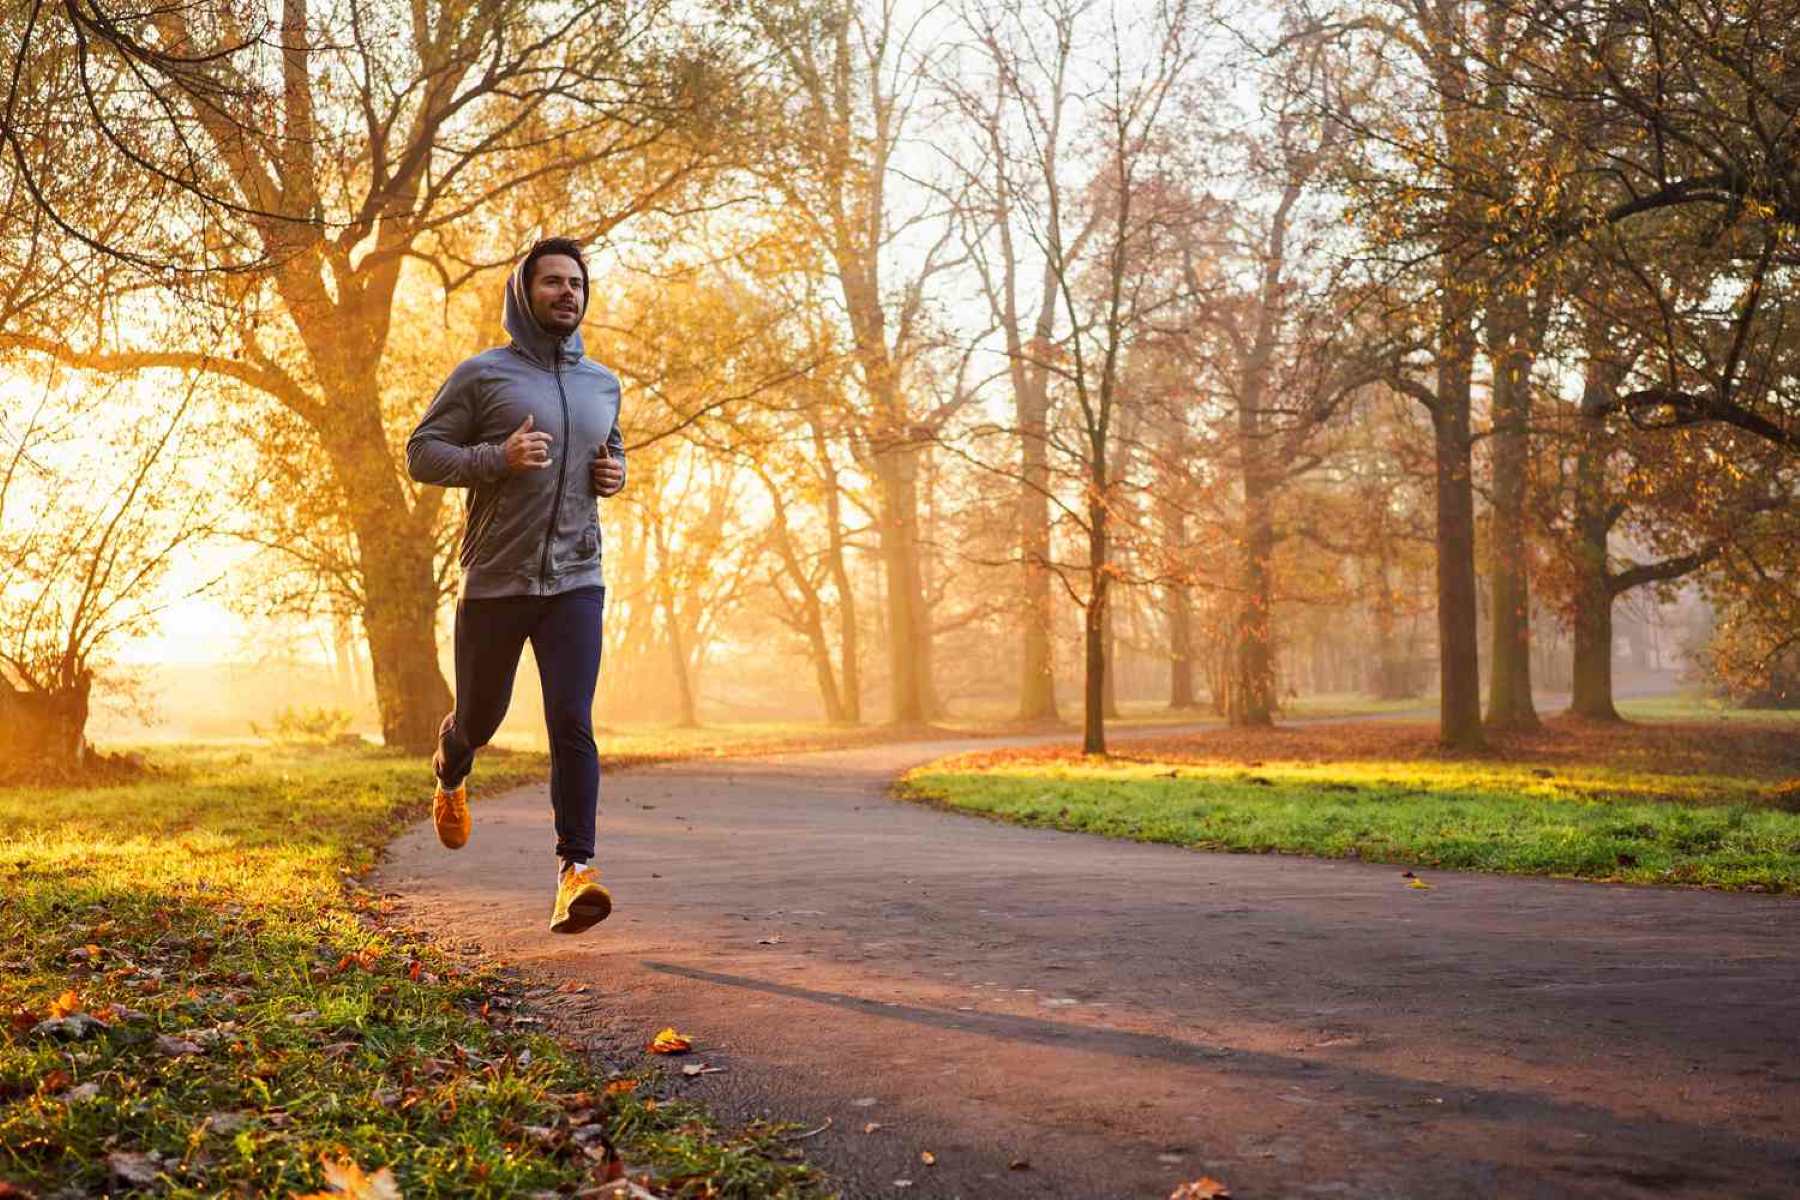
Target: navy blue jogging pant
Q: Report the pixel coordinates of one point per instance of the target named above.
(564, 631)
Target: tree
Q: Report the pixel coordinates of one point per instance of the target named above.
(313, 159)
(1109, 251)
(96, 499)
(1690, 106)
(852, 83)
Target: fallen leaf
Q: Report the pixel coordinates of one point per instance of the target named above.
(928, 1158)
(1418, 885)
(74, 1027)
(693, 1069)
(348, 1182)
(174, 1047)
(1203, 1188)
(65, 1005)
(12, 1192)
(620, 1086)
(872, 1126)
(1019, 1164)
(571, 987)
(774, 939)
(670, 1042)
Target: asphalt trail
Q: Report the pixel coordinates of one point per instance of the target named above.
(1124, 1017)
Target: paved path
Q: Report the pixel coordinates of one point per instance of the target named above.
(1124, 1017)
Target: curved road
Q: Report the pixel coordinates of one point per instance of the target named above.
(1124, 1017)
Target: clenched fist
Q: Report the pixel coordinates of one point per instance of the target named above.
(608, 473)
(527, 450)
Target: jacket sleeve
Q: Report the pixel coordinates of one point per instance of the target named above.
(615, 448)
(444, 448)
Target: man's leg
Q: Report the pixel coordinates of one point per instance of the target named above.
(566, 642)
(489, 636)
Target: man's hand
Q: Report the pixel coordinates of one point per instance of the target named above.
(608, 472)
(526, 450)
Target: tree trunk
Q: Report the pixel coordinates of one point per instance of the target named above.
(1093, 708)
(848, 652)
(1392, 679)
(1109, 691)
(45, 729)
(811, 617)
(1593, 520)
(1509, 684)
(1037, 680)
(897, 467)
(1459, 673)
(1253, 685)
(395, 556)
(1592, 683)
(1181, 647)
(678, 664)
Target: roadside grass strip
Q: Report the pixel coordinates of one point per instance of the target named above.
(1588, 821)
(198, 999)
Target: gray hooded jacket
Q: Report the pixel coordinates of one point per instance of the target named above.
(536, 532)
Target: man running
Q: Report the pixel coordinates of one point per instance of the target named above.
(532, 430)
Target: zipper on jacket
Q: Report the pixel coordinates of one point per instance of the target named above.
(562, 468)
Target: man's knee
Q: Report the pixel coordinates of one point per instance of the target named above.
(570, 729)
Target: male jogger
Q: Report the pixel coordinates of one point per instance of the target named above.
(532, 430)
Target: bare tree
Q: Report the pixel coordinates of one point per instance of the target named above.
(94, 507)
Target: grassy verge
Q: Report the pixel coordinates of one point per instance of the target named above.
(1689, 708)
(1666, 804)
(197, 999)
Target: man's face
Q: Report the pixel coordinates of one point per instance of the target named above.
(556, 293)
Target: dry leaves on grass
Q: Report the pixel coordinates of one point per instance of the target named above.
(669, 1042)
(348, 1182)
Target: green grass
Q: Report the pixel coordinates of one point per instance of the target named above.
(215, 902)
(1592, 822)
(1703, 708)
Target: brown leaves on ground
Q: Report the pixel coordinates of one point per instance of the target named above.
(1685, 748)
(348, 1182)
(1203, 1188)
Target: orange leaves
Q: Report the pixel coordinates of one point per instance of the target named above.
(348, 1182)
(668, 1041)
(1203, 1188)
(66, 1004)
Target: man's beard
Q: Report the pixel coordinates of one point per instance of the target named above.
(560, 324)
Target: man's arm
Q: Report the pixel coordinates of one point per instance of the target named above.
(608, 473)
(440, 450)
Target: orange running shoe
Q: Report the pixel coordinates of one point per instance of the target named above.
(580, 900)
(450, 813)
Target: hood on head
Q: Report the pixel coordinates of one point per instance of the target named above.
(536, 342)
